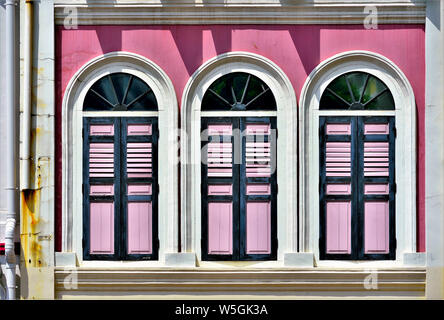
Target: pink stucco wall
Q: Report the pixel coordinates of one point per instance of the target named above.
(297, 49)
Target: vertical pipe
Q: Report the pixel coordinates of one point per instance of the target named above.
(11, 150)
(27, 95)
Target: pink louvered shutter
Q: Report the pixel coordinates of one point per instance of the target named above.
(336, 172)
(140, 183)
(99, 187)
(378, 171)
(258, 171)
(218, 189)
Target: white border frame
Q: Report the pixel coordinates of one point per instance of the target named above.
(72, 148)
(284, 94)
(405, 163)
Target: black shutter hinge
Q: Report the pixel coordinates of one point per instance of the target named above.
(158, 189)
(395, 188)
(395, 132)
(83, 243)
(157, 244)
(83, 189)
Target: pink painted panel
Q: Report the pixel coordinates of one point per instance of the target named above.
(374, 188)
(338, 129)
(101, 228)
(258, 227)
(338, 227)
(220, 228)
(101, 190)
(140, 236)
(220, 189)
(101, 130)
(376, 228)
(139, 129)
(258, 129)
(338, 188)
(376, 128)
(258, 189)
(220, 129)
(139, 189)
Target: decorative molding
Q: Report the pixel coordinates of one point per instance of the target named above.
(131, 12)
(126, 283)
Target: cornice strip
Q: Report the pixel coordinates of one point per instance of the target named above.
(270, 12)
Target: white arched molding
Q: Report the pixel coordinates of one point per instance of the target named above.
(405, 163)
(72, 113)
(286, 113)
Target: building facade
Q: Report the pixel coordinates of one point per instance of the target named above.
(230, 149)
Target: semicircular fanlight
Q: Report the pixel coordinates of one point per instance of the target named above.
(238, 91)
(357, 91)
(120, 92)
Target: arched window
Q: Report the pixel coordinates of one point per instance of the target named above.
(232, 109)
(120, 187)
(357, 171)
(239, 171)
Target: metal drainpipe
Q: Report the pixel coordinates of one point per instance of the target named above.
(27, 95)
(10, 152)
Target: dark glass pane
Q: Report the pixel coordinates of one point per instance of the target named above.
(109, 92)
(330, 101)
(227, 93)
(339, 86)
(211, 102)
(383, 102)
(357, 82)
(147, 102)
(374, 86)
(137, 88)
(104, 88)
(120, 81)
(94, 103)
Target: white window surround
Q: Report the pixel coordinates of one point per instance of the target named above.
(72, 115)
(405, 158)
(286, 114)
